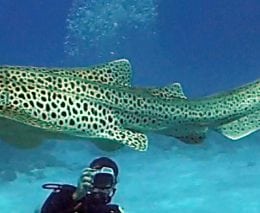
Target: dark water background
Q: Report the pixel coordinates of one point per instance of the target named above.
(207, 46)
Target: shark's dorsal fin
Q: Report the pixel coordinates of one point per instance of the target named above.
(168, 92)
(242, 127)
(118, 72)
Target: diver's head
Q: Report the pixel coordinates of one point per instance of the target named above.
(104, 174)
(107, 166)
(104, 178)
(98, 163)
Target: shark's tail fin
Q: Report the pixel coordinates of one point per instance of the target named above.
(242, 127)
(233, 130)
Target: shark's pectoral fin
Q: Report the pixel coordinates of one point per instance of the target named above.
(242, 127)
(187, 134)
(135, 140)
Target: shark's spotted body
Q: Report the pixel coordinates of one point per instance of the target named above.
(99, 102)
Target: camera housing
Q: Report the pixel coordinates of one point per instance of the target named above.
(104, 178)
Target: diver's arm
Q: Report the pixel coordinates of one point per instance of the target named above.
(52, 203)
(58, 201)
(115, 208)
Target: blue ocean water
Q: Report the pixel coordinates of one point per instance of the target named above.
(206, 46)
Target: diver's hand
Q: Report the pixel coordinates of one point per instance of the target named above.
(86, 178)
(85, 183)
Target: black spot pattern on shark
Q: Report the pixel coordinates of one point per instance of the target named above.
(99, 103)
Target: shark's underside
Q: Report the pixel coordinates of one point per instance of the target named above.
(99, 102)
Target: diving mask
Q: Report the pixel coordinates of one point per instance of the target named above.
(104, 178)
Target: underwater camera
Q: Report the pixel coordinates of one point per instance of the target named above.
(104, 178)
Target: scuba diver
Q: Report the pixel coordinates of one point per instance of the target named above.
(93, 194)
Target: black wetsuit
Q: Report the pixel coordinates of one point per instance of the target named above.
(60, 201)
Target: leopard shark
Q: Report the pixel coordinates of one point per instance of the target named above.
(100, 103)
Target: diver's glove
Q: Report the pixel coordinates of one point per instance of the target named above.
(85, 183)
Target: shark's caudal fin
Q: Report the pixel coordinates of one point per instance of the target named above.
(234, 130)
(242, 127)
